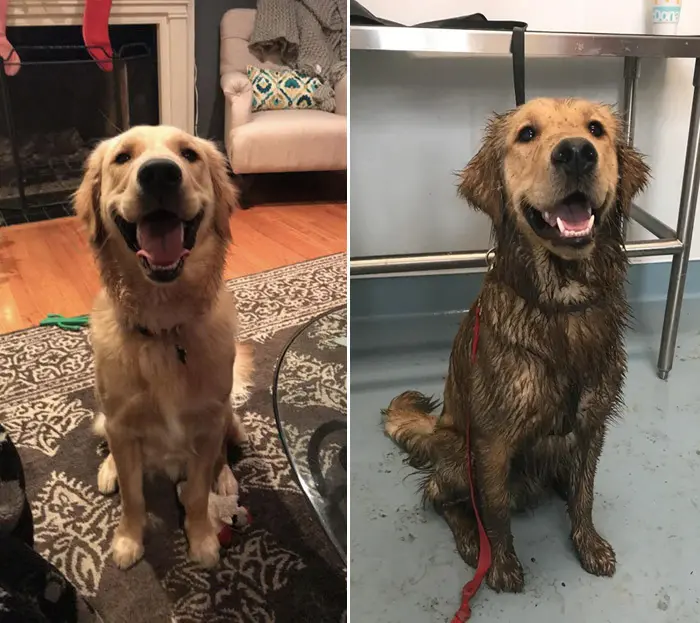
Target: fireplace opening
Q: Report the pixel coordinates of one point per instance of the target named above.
(60, 105)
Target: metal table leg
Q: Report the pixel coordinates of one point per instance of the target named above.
(686, 220)
(629, 103)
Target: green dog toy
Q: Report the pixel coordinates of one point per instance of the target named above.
(65, 322)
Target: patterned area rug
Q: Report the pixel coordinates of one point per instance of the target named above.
(281, 569)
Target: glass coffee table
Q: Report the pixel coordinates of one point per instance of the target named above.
(310, 403)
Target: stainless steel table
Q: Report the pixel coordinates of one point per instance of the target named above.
(549, 44)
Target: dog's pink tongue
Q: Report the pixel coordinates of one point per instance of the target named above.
(575, 216)
(161, 241)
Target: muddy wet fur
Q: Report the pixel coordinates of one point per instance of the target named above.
(546, 381)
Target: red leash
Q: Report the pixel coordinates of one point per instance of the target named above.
(470, 588)
(475, 340)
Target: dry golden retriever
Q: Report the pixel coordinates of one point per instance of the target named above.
(157, 202)
(556, 177)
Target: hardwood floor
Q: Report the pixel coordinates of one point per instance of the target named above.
(47, 267)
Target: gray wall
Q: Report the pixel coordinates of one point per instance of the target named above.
(208, 14)
(415, 119)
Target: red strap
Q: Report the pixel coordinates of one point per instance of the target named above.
(470, 588)
(475, 340)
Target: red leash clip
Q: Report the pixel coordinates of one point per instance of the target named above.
(484, 564)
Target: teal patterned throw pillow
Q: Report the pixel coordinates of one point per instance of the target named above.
(279, 90)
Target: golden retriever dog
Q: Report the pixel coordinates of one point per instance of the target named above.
(545, 376)
(156, 202)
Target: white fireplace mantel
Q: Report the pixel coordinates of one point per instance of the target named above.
(175, 22)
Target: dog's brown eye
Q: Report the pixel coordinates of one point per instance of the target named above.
(189, 154)
(596, 129)
(527, 134)
(122, 157)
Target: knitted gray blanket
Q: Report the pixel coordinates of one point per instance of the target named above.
(307, 35)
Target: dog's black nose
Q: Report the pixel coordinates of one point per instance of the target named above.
(159, 176)
(575, 156)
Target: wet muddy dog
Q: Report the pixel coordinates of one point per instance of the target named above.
(557, 179)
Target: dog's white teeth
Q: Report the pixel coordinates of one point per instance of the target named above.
(182, 234)
(570, 233)
(168, 267)
(576, 233)
(590, 210)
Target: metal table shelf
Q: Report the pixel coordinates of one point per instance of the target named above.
(675, 242)
(537, 44)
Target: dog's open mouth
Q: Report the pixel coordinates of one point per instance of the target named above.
(162, 242)
(570, 222)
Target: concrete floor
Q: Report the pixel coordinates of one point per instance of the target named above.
(404, 567)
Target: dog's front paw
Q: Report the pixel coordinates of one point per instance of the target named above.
(204, 550)
(126, 550)
(595, 553)
(465, 531)
(468, 549)
(506, 574)
(226, 483)
(238, 433)
(107, 476)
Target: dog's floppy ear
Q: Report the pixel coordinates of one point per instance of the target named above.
(86, 201)
(481, 181)
(633, 175)
(225, 191)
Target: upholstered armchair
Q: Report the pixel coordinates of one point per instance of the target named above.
(274, 141)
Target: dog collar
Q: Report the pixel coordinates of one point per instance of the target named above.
(549, 309)
(181, 352)
(566, 308)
